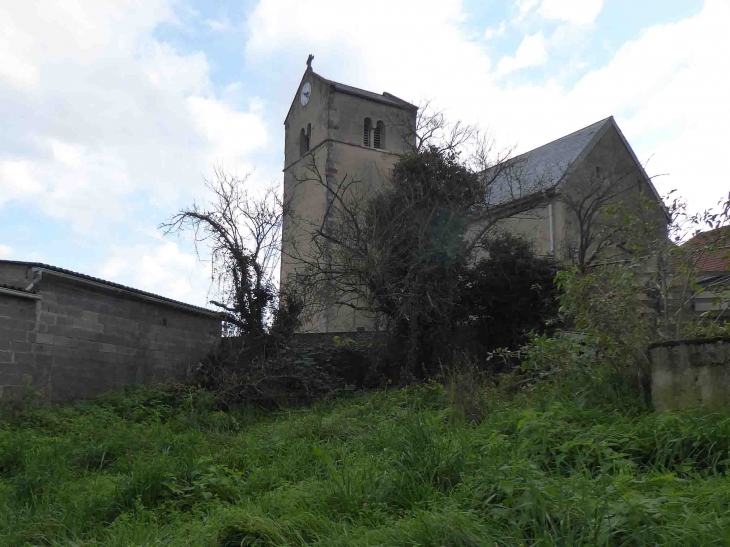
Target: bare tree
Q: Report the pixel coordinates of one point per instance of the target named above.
(684, 280)
(610, 213)
(622, 248)
(243, 234)
(432, 128)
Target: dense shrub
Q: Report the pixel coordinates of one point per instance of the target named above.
(505, 296)
(292, 376)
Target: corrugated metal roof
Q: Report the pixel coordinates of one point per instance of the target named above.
(542, 168)
(105, 282)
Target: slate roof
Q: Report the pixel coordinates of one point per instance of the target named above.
(544, 167)
(105, 282)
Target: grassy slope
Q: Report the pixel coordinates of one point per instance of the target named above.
(397, 468)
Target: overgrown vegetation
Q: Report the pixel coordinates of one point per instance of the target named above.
(414, 466)
(424, 257)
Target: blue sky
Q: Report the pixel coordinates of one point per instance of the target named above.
(115, 110)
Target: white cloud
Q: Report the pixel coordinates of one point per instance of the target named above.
(161, 268)
(17, 180)
(575, 12)
(491, 32)
(5, 251)
(97, 115)
(665, 87)
(530, 53)
(231, 134)
(219, 25)
(524, 6)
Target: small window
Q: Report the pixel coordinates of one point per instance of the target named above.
(379, 136)
(598, 170)
(367, 128)
(304, 137)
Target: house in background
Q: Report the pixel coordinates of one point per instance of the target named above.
(70, 335)
(708, 256)
(544, 195)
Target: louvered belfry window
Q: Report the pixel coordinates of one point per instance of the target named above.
(367, 127)
(376, 137)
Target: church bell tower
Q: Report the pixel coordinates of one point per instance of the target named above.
(337, 131)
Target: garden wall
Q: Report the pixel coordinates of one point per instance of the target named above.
(687, 373)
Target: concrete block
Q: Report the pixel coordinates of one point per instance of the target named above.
(91, 316)
(8, 322)
(44, 338)
(24, 347)
(24, 358)
(43, 360)
(47, 318)
(11, 369)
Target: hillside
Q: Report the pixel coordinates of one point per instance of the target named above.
(155, 467)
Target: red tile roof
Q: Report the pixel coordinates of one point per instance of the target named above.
(711, 249)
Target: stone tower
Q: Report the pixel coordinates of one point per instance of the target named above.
(345, 132)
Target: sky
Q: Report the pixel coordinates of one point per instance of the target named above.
(115, 111)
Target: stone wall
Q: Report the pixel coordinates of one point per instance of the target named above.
(691, 372)
(78, 340)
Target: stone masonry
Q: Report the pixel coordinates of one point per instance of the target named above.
(72, 336)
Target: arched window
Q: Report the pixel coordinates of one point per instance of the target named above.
(379, 136)
(304, 139)
(367, 128)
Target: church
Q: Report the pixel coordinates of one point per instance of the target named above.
(337, 131)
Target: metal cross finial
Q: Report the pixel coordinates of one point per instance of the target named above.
(309, 60)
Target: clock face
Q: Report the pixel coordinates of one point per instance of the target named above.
(306, 92)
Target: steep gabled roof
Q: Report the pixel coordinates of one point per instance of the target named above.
(544, 167)
(110, 284)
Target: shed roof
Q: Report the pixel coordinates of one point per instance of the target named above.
(110, 284)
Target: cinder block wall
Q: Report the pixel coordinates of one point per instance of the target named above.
(17, 343)
(80, 340)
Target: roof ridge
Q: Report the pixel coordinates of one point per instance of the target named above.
(708, 233)
(387, 97)
(604, 120)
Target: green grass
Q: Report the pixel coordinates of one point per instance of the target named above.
(146, 467)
